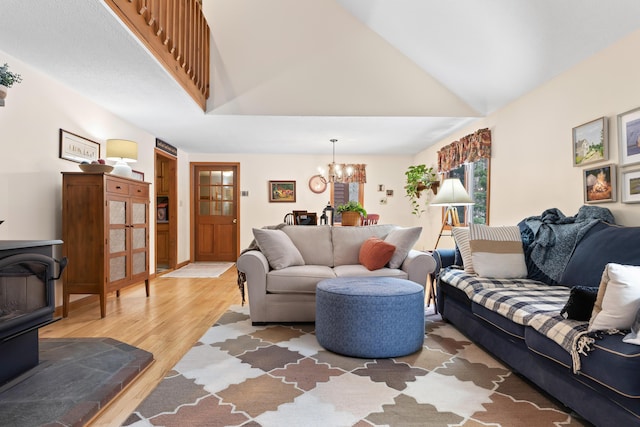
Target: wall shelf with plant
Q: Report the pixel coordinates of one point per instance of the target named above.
(7, 79)
(418, 179)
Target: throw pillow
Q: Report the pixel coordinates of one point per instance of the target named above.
(375, 253)
(580, 303)
(633, 337)
(461, 236)
(496, 252)
(618, 298)
(403, 239)
(278, 248)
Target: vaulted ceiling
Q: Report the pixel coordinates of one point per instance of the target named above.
(381, 76)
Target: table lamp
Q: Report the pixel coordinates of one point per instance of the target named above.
(451, 194)
(122, 152)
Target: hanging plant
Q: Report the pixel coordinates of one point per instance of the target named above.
(419, 178)
(7, 79)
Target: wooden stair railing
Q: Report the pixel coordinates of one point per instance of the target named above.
(177, 33)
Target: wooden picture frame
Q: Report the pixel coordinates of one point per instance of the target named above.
(76, 148)
(282, 191)
(137, 175)
(630, 186)
(629, 137)
(600, 184)
(591, 142)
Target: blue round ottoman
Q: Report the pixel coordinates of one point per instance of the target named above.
(370, 317)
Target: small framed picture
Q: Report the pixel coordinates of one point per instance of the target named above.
(77, 148)
(630, 186)
(629, 137)
(600, 184)
(137, 175)
(389, 193)
(282, 191)
(591, 142)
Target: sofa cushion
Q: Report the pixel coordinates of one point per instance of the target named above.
(375, 253)
(278, 248)
(314, 243)
(602, 244)
(347, 241)
(461, 236)
(360, 270)
(497, 252)
(403, 239)
(580, 303)
(633, 337)
(301, 279)
(618, 298)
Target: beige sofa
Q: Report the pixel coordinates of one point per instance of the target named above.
(286, 293)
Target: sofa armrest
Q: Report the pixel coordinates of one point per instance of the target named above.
(444, 258)
(418, 265)
(255, 267)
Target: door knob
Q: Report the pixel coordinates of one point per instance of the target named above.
(235, 221)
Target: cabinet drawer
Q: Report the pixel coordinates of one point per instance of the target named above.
(139, 190)
(118, 187)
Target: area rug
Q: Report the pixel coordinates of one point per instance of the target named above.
(278, 375)
(200, 270)
(75, 379)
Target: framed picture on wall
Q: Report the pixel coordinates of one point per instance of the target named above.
(600, 184)
(630, 186)
(591, 142)
(282, 191)
(77, 148)
(629, 137)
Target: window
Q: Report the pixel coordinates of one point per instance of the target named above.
(341, 193)
(475, 178)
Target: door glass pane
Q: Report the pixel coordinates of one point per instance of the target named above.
(139, 238)
(117, 212)
(227, 193)
(204, 178)
(204, 208)
(139, 213)
(227, 177)
(216, 177)
(205, 192)
(139, 262)
(227, 208)
(117, 240)
(215, 208)
(117, 268)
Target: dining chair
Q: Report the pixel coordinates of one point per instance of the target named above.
(370, 219)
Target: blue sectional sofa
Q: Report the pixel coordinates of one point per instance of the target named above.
(519, 320)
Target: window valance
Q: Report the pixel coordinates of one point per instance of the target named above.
(468, 149)
(346, 173)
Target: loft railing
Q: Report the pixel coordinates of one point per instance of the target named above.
(177, 33)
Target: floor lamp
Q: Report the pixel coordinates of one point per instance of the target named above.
(451, 194)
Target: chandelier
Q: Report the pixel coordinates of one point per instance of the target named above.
(336, 172)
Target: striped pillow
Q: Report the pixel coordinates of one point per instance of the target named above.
(461, 236)
(496, 252)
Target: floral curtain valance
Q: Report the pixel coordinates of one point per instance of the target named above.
(468, 149)
(358, 173)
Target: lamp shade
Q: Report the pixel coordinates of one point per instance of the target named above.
(451, 193)
(122, 149)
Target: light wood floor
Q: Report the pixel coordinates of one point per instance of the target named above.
(167, 324)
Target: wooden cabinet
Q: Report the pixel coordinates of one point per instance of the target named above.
(105, 229)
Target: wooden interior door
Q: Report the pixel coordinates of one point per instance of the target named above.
(215, 211)
(166, 211)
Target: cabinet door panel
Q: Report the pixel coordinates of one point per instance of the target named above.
(117, 212)
(117, 240)
(139, 213)
(117, 268)
(139, 240)
(139, 262)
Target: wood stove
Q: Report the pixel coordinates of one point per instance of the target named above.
(27, 301)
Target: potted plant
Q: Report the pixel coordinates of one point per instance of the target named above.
(419, 178)
(351, 212)
(7, 79)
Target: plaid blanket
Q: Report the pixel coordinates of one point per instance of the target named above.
(526, 302)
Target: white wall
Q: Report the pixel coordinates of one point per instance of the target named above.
(531, 161)
(257, 170)
(30, 179)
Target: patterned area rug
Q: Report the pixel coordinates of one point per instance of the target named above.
(277, 375)
(200, 270)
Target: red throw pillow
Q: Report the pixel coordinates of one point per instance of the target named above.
(375, 253)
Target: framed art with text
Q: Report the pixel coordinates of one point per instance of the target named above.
(591, 142)
(282, 191)
(629, 137)
(77, 148)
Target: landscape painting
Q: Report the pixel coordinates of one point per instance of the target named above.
(590, 142)
(629, 135)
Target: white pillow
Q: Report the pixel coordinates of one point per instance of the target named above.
(496, 252)
(278, 248)
(461, 236)
(618, 298)
(403, 239)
